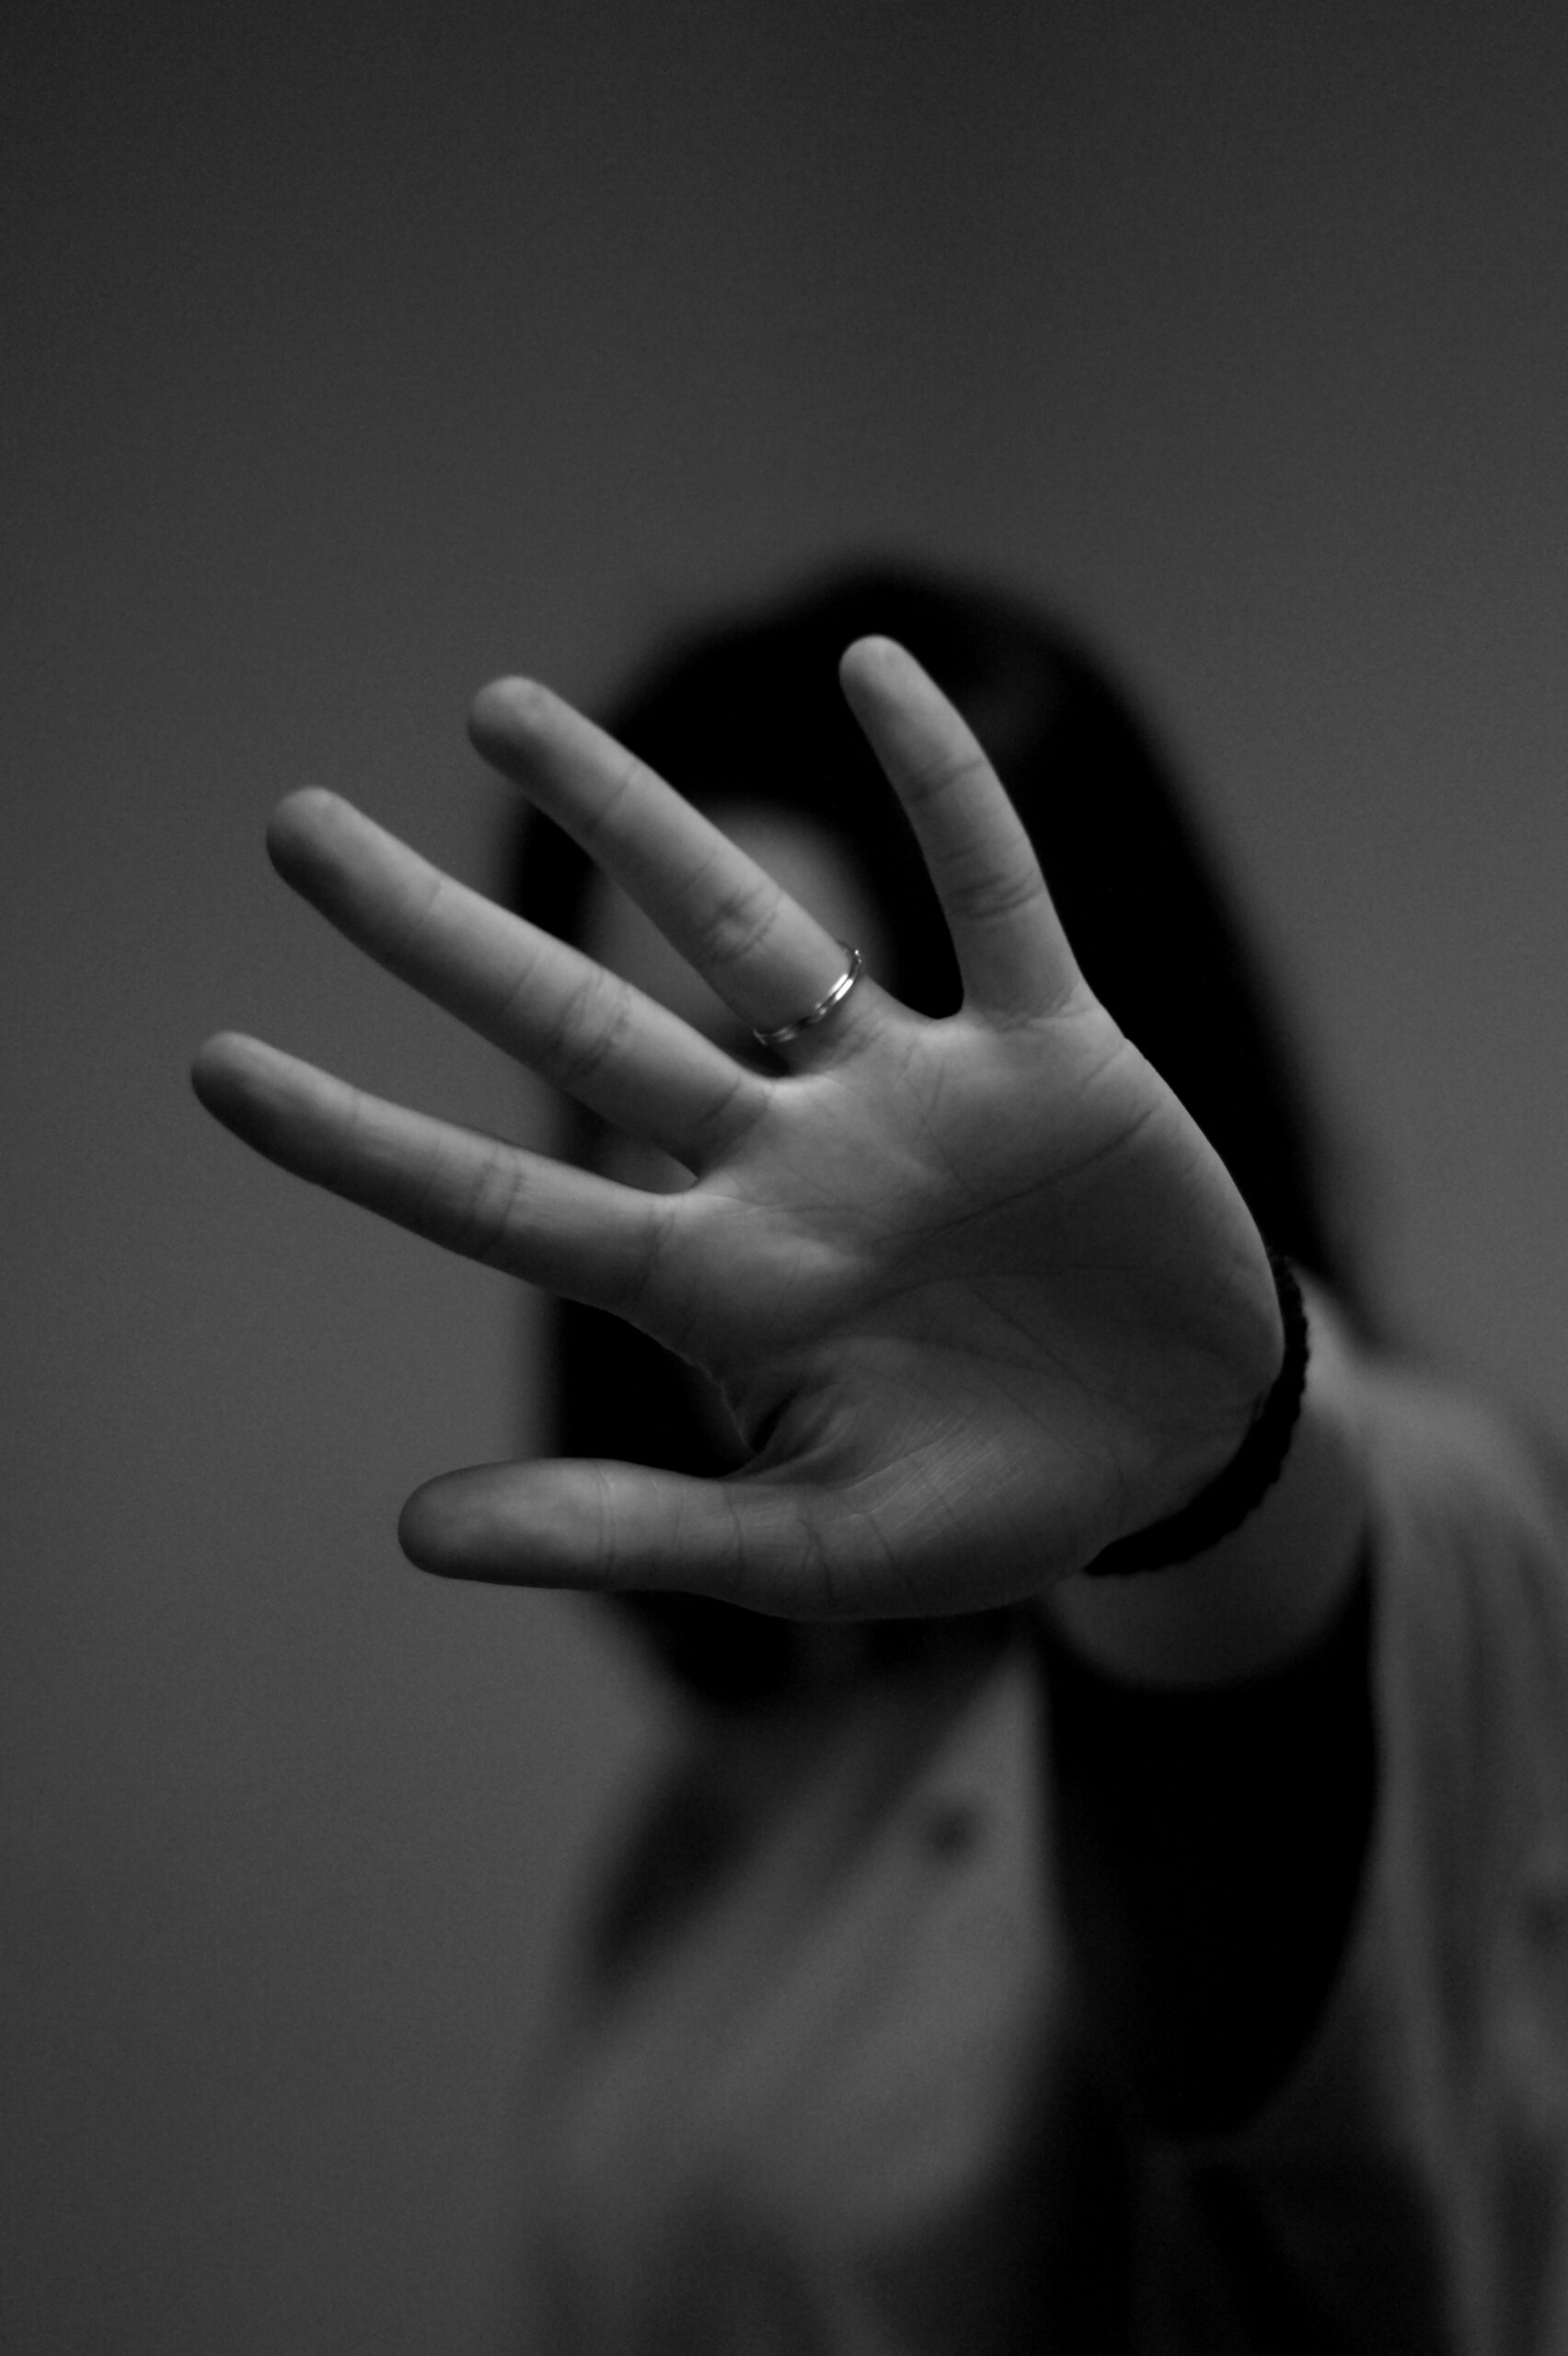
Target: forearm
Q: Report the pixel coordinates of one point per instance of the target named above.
(1213, 1753)
(1208, 1848)
(1257, 1600)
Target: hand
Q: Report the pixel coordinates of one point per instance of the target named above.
(979, 1295)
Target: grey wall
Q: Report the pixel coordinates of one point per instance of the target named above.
(355, 354)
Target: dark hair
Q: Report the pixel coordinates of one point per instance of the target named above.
(750, 710)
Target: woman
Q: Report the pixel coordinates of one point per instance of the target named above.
(1160, 1961)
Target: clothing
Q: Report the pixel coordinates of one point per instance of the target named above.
(836, 2074)
(1208, 1848)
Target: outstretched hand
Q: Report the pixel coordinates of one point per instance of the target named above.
(980, 1296)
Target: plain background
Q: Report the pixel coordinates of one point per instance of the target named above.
(353, 355)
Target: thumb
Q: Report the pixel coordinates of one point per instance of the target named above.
(619, 1528)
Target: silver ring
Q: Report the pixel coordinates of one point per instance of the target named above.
(824, 1006)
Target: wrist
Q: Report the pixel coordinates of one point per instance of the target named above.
(1236, 1493)
(1259, 1594)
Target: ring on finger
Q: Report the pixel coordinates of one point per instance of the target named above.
(824, 1006)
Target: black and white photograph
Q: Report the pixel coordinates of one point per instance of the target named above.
(785, 832)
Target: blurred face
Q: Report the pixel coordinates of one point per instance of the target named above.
(811, 866)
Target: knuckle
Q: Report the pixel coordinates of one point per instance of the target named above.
(994, 894)
(420, 926)
(627, 777)
(481, 1205)
(734, 921)
(949, 770)
(595, 1029)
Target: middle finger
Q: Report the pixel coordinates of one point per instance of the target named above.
(617, 1052)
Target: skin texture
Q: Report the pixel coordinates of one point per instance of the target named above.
(977, 1292)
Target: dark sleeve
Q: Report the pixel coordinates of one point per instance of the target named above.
(1210, 1847)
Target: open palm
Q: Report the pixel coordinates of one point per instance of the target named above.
(979, 1294)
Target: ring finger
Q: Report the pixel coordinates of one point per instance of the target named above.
(763, 953)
